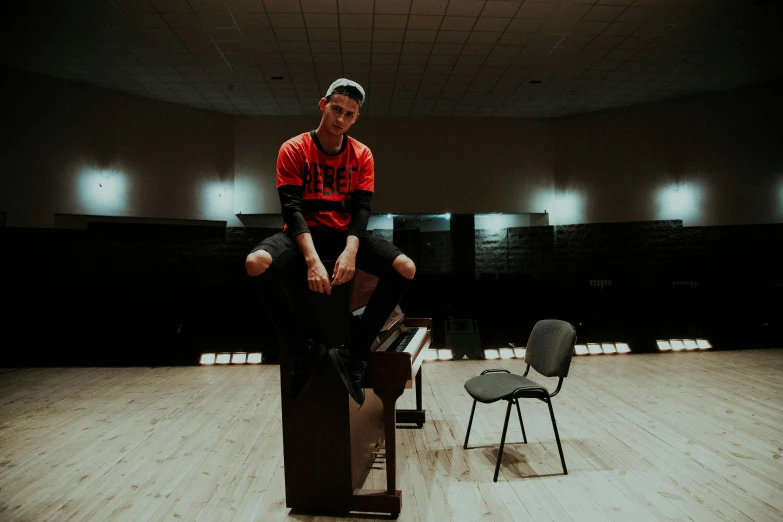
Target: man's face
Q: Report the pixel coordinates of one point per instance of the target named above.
(339, 113)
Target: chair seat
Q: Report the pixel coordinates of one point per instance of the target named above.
(492, 387)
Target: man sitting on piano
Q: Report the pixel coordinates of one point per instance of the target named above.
(325, 181)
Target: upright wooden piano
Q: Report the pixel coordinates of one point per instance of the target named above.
(330, 443)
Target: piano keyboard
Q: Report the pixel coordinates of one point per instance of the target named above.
(411, 336)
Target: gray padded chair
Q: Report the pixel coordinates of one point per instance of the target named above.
(549, 352)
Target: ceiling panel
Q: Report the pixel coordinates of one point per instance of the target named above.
(414, 57)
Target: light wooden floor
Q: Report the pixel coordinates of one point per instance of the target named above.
(673, 436)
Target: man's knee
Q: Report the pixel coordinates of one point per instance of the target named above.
(405, 266)
(258, 262)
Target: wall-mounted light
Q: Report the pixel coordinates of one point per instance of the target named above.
(497, 221)
(381, 222)
(217, 200)
(447, 215)
(102, 191)
(565, 207)
(680, 201)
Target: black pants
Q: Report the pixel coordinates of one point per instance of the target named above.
(278, 285)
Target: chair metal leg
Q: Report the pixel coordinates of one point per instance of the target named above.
(470, 423)
(502, 441)
(524, 436)
(557, 436)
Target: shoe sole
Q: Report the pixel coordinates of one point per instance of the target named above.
(342, 371)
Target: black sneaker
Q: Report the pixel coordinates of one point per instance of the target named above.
(304, 368)
(350, 371)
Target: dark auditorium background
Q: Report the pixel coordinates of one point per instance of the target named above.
(126, 212)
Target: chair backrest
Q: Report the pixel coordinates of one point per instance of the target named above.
(550, 347)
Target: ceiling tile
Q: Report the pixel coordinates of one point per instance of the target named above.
(500, 8)
(464, 7)
(316, 34)
(483, 38)
(286, 20)
(298, 57)
(150, 20)
(635, 14)
(355, 6)
(605, 42)
(588, 27)
(357, 47)
(160, 35)
(387, 47)
(604, 13)
(171, 47)
(452, 36)
(392, 6)
(420, 35)
(620, 29)
(500, 61)
(514, 38)
(319, 6)
(491, 24)
(388, 35)
(429, 7)
(290, 34)
(417, 48)
(458, 23)
(294, 47)
(536, 9)
(414, 59)
(328, 21)
(633, 42)
(390, 21)
(334, 58)
(523, 25)
(355, 21)
(446, 48)
(171, 6)
(281, 6)
(424, 22)
(326, 47)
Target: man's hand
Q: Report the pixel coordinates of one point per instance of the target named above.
(345, 267)
(318, 278)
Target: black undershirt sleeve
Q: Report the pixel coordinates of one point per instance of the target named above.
(291, 204)
(360, 212)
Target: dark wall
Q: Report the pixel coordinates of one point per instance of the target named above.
(650, 280)
(131, 294)
(126, 294)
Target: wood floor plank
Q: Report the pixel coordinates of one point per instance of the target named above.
(679, 436)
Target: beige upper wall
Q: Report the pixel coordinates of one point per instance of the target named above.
(71, 148)
(422, 165)
(712, 159)
(62, 140)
